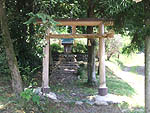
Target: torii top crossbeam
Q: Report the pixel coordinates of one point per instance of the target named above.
(82, 22)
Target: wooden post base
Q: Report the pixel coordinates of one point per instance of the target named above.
(45, 90)
(102, 91)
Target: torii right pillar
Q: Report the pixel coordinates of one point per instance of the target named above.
(102, 90)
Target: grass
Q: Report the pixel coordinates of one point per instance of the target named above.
(10, 104)
(116, 86)
(127, 109)
(130, 64)
(131, 60)
(8, 101)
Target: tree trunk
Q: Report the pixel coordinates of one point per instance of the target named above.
(12, 61)
(147, 56)
(147, 74)
(91, 63)
(91, 49)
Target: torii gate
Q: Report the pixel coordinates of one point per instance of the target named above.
(102, 90)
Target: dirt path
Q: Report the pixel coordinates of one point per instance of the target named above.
(134, 79)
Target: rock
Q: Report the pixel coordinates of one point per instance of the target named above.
(106, 100)
(67, 101)
(90, 103)
(100, 103)
(57, 101)
(110, 98)
(78, 102)
(73, 94)
(78, 76)
(37, 90)
(51, 96)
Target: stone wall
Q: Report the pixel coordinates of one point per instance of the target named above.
(78, 56)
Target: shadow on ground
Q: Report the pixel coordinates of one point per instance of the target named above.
(9, 104)
(134, 69)
(68, 88)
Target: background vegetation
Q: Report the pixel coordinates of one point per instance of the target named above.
(28, 40)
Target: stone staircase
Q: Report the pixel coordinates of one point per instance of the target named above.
(64, 71)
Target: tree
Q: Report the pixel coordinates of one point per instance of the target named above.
(12, 61)
(147, 56)
(135, 19)
(113, 46)
(91, 49)
(147, 74)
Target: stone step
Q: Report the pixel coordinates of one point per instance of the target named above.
(64, 72)
(67, 68)
(64, 68)
(68, 65)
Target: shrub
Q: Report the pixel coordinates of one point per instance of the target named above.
(28, 74)
(80, 48)
(81, 71)
(28, 95)
(4, 70)
(56, 48)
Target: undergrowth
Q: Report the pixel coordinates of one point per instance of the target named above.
(30, 102)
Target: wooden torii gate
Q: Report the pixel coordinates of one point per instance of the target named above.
(102, 90)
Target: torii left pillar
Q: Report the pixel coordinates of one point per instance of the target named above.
(45, 74)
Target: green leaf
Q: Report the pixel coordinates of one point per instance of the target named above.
(31, 20)
(36, 99)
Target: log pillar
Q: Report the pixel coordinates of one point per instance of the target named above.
(73, 29)
(45, 74)
(103, 90)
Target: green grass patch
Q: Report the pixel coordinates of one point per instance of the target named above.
(115, 85)
(133, 69)
(118, 86)
(127, 109)
(85, 88)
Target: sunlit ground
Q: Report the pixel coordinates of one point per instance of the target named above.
(129, 74)
(1, 106)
